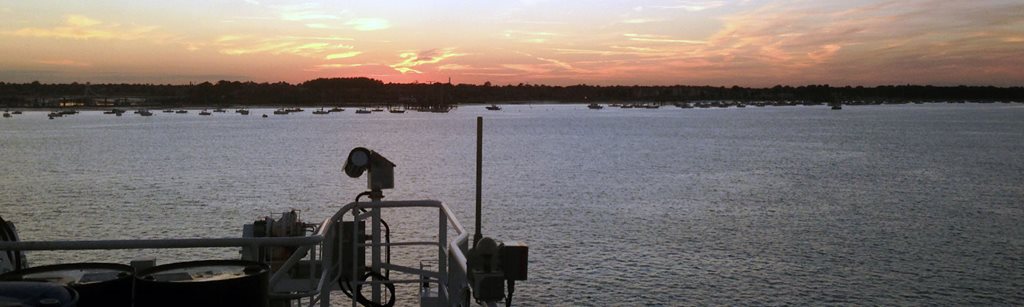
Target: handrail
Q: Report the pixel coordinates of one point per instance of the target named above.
(306, 243)
(159, 243)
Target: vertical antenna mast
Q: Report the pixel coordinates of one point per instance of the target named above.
(479, 167)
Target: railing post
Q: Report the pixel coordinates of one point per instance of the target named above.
(442, 255)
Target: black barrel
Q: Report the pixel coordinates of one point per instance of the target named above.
(97, 284)
(222, 283)
(36, 294)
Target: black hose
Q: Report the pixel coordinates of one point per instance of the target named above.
(361, 195)
(366, 302)
(357, 292)
(387, 235)
(345, 288)
(387, 247)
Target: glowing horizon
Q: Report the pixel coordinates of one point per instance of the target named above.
(648, 42)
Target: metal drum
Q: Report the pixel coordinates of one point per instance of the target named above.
(36, 294)
(220, 283)
(97, 284)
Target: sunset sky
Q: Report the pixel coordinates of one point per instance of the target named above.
(647, 42)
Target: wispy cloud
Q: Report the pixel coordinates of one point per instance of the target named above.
(410, 60)
(694, 6)
(80, 27)
(369, 24)
(307, 12)
(65, 62)
(530, 36)
(642, 20)
(319, 47)
(557, 63)
(455, 67)
(319, 26)
(343, 55)
(331, 66)
(530, 33)
(81, 21)
(661, 39)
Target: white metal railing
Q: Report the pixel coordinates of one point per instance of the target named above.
(450, 276)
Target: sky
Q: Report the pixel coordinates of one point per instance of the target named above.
(643, 42)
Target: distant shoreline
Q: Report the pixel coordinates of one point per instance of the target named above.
(615, 104)
(366, 92)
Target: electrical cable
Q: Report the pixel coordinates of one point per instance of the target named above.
(511, 289)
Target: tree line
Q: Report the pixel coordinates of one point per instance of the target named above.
(361, 91)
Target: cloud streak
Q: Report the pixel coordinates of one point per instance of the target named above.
(369, 24)
(313, 47)
(79, 27)
(411, 60)
(68, 63)
(693, 6)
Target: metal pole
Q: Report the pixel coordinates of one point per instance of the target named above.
(375, 252)
(479, 172)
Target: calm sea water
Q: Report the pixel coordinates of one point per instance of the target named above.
(871, 205)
